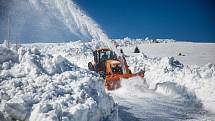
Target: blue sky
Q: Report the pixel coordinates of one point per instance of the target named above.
(186, 20)
(183, 20)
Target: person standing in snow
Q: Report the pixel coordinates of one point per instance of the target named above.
(124, 62)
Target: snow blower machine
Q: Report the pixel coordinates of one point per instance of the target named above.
(111, 68)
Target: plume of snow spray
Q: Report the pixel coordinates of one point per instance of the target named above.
(75, 19)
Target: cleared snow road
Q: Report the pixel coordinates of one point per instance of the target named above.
(141, 104)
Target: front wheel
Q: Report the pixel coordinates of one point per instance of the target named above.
(129, 71)
(91, 67)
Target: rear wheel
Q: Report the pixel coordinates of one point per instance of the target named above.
(91, 67)
(102, 74)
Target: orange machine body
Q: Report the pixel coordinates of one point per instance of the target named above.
(111, 68)
(113, 77)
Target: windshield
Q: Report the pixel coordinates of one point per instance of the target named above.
(105, 55)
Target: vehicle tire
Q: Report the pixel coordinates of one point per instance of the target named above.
(129, 71)
(102, 74)
(91, 67)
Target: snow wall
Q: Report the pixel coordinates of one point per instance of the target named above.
(44, 87)
(169, 77)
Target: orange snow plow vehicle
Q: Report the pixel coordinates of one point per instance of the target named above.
(111, 68)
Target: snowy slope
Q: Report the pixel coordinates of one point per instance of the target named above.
(50, 81)
(194, 53)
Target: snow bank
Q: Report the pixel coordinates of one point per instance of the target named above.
(46, 87)
(76, 52)
(169, 77)
(7, 55)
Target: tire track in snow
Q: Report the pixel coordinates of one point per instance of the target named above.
(136, 104)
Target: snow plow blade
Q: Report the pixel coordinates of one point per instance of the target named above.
(112, 82)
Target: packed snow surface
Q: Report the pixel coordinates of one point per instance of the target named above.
(51, 82)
